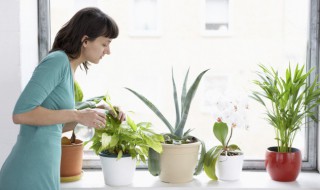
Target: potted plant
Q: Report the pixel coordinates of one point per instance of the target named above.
(177, 162)
(72, 150)
(121, 144)
(226, 158)
(288, 101)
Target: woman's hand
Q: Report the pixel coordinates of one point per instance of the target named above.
(92, 117)
(121, 115)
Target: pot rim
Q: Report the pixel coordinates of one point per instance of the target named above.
(274, 149)
(182, 145)
(110, 155)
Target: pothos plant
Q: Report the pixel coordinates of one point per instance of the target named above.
(177, 134)
(231, 114)
(125, 138)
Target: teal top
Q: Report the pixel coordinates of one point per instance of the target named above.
(34, 162)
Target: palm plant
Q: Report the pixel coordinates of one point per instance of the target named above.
(177, 134)
(292, 99)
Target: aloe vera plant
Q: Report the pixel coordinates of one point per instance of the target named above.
(177, 134)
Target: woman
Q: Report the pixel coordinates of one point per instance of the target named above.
(46, 106)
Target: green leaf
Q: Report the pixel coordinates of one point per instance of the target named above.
(201, 160)
(114, 140)
(78, 94)
(210, 161)
(154, 162)
(120, 153)
(105, 140)
(184, 91)
(187, 103)
(153, 108)
(131, 124)
(176, 103)
(220, 131)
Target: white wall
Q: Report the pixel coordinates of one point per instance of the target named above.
(18, 47)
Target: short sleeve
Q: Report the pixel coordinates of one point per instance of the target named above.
(45, 78)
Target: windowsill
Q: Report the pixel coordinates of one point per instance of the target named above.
(93, 179)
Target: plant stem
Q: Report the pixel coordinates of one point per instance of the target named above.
(229, 137)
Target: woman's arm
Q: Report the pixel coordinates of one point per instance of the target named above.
(42, 116)
(69, 126)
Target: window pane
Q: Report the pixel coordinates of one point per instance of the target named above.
(269, 32)
(145, 15)
(217, 14)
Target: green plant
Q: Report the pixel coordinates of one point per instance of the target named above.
(220, 131)
(177, 134)
(118, 138)
(289, 101)
(231, 114)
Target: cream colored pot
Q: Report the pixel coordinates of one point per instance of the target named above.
(178, 162)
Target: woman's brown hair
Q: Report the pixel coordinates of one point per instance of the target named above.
(88, 21)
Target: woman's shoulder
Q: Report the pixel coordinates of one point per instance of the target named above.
(57, 55)
(56, 58)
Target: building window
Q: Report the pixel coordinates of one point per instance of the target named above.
(216, 17)
(144, 64)
(145, 18)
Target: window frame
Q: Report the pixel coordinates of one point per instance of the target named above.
(312, 62)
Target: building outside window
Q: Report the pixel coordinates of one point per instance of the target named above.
(263, 32)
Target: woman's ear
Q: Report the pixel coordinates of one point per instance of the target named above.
(84, 40)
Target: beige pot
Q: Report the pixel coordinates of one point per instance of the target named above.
(178, 162)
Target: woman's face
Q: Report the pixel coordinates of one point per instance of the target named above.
(94, 50)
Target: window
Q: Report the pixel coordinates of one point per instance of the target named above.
(217, 17)
(145, 18)
(145, 64)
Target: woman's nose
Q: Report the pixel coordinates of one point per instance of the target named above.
(107, 50)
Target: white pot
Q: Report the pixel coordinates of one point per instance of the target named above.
(118, 172)
(229, 168)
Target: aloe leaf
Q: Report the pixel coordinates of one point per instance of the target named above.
(201, 160)
(176, 103)
(154, 162)
(153, 108)
(187, 132)
(190, 94)
(184, 91)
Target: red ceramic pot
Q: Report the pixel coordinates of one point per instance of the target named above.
(283, 166)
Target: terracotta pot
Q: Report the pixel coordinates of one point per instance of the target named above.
(283, 166)
(178, 162)
(71, 159)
